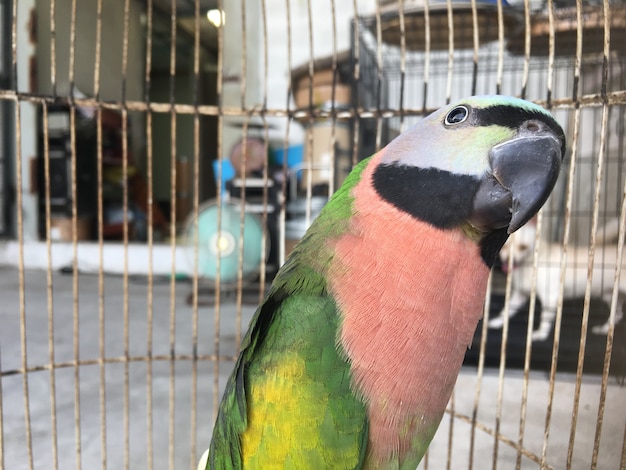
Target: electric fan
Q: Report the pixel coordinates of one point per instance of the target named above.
(224, 245)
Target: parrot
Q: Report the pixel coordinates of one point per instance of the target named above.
(351, 358)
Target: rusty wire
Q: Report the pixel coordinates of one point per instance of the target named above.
(173, 109)
(620, 249)
(220, 150)
(172, 337)
(49, 293)
(451, 50)
(479, 373)
(568, 208)
(100, 235)
(589, 100)
(150, 235)
(20, 237)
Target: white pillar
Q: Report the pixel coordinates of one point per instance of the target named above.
(28, 117)
(233, 74)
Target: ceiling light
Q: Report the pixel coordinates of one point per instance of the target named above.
(216, 17)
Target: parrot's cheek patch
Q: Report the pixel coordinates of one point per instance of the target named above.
(438, 197)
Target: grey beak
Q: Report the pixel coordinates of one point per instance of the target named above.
(524, 171)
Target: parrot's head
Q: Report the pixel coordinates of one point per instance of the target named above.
(489, 162)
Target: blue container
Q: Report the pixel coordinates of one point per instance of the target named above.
(228, 172)
(295, 154)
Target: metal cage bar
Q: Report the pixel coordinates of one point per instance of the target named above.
(145, 393)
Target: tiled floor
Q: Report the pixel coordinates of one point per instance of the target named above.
(135, 298)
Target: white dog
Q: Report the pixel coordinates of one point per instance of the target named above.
(521, 247)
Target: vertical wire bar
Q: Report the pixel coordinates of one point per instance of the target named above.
(49, 290)
(380, 67)
(172, 309)
(283, 185)
(575, 92)
(309, 158)
(265, 55)
(20, 240)
(172, 339)
(76, 316)
(450, 51)
(451, 407)
(125, 234)
(242, 198)
(620, 246)
(481, 369)
(264, 240)
(100, 210)
(356, 75)
(402, 61)
(333, 132)
(75, 286)
(333, 104)
(551, 48)
(217, 320)
(125, 301)
(21, 268)
(501, 369)
(220, 145)
(242, 189)
(527, 45)
(579, 50)
(311, 71)
(51, 351)
(150, 313)
(196, 189)
(101, 309)
(500, 69)
(53, 42)
(559, 312)
(150, 233)
(529, 335)
(311, 122)
(244, 56)
(610, 334)
(586, 306)
(563, 267)
(242, 214)
(476, 43)
(507, 304)
(49, 282)
(427, 47)
(622, 460)
(552, 376)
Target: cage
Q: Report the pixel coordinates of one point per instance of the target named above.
(124, 123)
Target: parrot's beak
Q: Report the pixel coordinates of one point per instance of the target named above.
(523, 173)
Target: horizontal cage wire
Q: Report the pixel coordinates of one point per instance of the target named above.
(160, 160)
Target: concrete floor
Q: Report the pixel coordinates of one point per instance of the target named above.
(13, 425)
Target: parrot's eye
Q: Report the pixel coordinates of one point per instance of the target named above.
(457, 115)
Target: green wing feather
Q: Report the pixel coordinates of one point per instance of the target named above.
(289, 399)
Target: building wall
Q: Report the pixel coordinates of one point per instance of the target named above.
(115, 83)
(111, 59)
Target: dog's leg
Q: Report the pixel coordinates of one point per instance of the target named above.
(619, 314)
(516, 301)
(548, 314)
